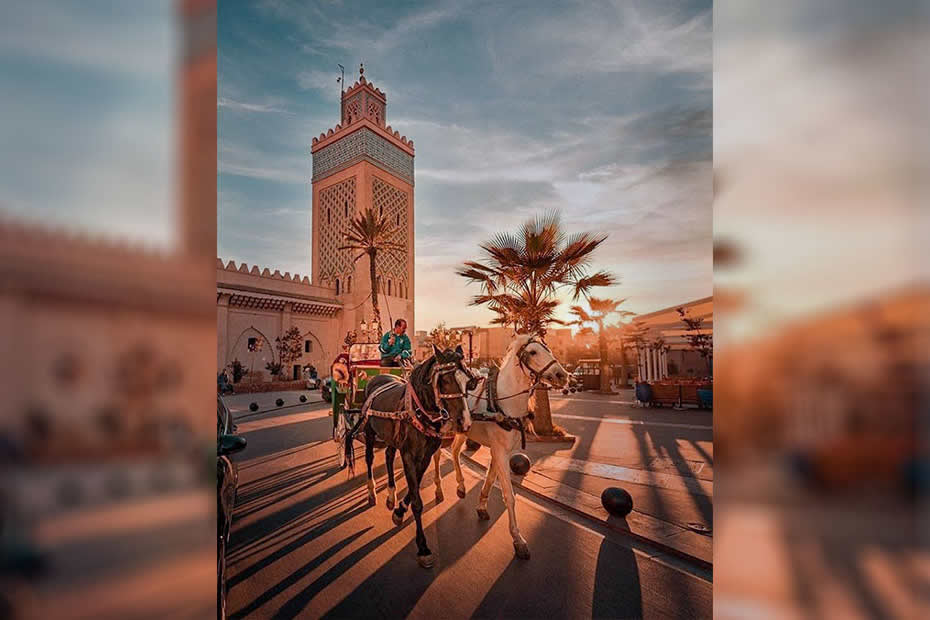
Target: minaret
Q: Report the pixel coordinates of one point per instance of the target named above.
(362, 163)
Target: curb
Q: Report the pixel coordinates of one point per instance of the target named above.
(518, 481)
(569, 439)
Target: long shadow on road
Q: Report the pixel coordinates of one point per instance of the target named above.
(271, 439)
(394, 589)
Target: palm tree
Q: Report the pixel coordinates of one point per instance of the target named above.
(369, 234)
(521, 276)
(600, 310)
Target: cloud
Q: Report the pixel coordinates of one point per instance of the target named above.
(323, 81)
(275, 106)
(245, 161)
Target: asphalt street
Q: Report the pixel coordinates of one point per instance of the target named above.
(305, 543)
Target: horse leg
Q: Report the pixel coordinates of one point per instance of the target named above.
(369, 460)
(486, 490)
(499, 460)
(389, 453)
(398, 515)
(414, 471)
(457, 444)
(437, 478)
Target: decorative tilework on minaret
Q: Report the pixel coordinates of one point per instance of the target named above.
(363, 163)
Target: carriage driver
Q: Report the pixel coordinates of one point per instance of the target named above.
(395, 345)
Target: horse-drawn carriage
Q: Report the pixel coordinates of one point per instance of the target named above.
(351, 373)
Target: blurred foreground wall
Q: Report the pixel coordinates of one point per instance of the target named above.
(107, 310)
(823, 309)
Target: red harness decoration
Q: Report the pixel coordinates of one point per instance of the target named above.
(411, 404)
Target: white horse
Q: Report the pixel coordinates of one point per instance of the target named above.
(527, 363)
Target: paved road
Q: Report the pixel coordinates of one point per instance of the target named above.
(305, 543)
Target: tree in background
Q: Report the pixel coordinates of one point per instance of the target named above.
(290, 347)
(600, 310)
(521, 275)
(445, 338)
(238, 370)
(274, 369)
(703, 343)
(368, 235)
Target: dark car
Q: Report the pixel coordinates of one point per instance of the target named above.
(227, 478)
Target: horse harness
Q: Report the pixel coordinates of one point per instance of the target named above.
(489, 387)
(412, 409)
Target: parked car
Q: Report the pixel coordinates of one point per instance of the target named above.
(227, 479)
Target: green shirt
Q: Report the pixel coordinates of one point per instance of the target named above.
(401, 346)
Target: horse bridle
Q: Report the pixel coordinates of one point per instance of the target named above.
(435, 373)
(523, 360)
(528, 371)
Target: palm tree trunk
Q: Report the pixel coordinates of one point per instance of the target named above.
(605, 362)
(624, 375)
(542, 413)
(373, 274)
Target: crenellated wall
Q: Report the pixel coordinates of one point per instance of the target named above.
(257, 303)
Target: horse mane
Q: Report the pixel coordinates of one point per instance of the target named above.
(419, 379)
(512, 347)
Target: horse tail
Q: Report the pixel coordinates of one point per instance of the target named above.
(350, 444)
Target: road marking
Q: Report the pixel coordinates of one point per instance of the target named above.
(671, 482)
(699, 427)
(593, 400)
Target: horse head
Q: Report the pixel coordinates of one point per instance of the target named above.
(450, 379)
(538, 361)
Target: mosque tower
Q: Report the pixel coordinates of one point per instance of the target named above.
(362, 163)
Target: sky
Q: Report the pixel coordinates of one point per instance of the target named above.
(599, 110)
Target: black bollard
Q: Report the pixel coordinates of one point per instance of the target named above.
(617, 501)
(253, 407)
(303, 398)
(279, 402)
(519, 464)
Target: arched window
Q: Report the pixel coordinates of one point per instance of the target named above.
(347, 208)
(389, 287)
(329, 216)
(337, 286)
(397, 220)
(349, 285)
(382, 210)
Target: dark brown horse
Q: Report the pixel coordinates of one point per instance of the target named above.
(410, 417)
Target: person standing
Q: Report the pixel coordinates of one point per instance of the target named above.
(395, 345)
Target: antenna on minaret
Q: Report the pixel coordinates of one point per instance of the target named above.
(342, 78)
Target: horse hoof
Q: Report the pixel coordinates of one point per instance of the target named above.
(440, 498)
(396, 518)
(372, 500)
(522, 550)
(483, 514)
(389, 502)
(426, 561)
(460, 493)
